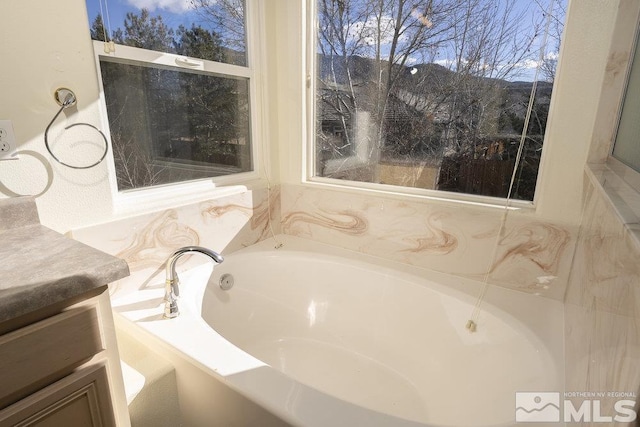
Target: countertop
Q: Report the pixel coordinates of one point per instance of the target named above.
(40, 267)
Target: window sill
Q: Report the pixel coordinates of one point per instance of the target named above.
(624, 198)
(418, 193)
(144, 200)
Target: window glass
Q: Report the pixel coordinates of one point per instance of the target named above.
(433, 93)
(207, 29)
(170, 126)
(627, 144)
(176, 112)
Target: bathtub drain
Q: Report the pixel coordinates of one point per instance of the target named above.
(226, 282)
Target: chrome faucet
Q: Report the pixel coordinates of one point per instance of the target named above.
(171, 289)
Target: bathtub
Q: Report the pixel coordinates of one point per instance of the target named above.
(320, 336)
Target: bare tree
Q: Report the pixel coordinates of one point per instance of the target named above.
(364, 47)
(227, 17)
(429, 74)
(134, 167)
(490, 45)
(550, 61)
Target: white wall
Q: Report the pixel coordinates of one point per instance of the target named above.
(46, 45)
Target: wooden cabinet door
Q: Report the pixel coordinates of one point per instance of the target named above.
(44, 352)
(80, 399)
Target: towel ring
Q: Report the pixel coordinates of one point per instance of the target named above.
(66, 98)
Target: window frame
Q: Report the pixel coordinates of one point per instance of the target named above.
(309, 152)
(168, 194)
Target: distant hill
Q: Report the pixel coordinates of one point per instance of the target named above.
(419, 87)
(362, 70)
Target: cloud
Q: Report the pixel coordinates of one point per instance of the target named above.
(530, 64)
(411, 60)
(552, 56)
(369, 32)
(527, 64)
(448, 63)
(174, 6)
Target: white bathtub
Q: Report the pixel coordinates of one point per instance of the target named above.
(320, 336)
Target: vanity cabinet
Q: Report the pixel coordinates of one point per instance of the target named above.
(59, 363)
(63, 370)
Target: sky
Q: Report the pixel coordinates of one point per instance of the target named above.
(174, 12)
(177, 12)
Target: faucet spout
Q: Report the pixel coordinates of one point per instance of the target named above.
(172, 290)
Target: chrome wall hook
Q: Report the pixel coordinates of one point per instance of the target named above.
(65, 97)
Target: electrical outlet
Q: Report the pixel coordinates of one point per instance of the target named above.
(7, 141)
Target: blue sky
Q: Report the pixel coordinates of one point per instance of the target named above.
(174, 12)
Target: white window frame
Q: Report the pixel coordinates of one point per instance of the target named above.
(166, 195)
(309, 152)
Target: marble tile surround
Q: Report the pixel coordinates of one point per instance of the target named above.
(146, 241)
(532, 256)
(602, 306)
(601, 281)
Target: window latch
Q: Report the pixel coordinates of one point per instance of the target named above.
(188, 62)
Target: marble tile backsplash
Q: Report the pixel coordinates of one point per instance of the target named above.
(532, 255)
(602, 306)
(146, 241)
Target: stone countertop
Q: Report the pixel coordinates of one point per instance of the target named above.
(40, 267)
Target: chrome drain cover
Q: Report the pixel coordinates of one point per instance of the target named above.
(226, 282)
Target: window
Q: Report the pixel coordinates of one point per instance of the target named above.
(626, 148)
(432, 94)
(177, 88)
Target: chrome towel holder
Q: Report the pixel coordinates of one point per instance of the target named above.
(66, 98)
